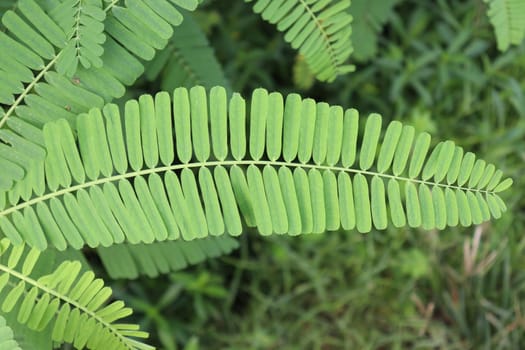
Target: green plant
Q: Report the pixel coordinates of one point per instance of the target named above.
(320, 30)
(507, 18)
(189, 165)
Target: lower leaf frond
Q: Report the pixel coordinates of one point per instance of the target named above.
(74, 303)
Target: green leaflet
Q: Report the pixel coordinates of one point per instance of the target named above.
(413, 205)
(292, 110)
(370, 141)
(504, 185)
(445, 158)
(230, 211)
(199, 123)
(307, 130)
(275, 200)
(427, 208)
(274, 137)
(386, 155)
(440, 207)
(404, 146)
(335, 132)
(211, 203)
(396, 206)
(318, 204)
(237, 114)
(304, 199)
(283, 168)
(418, 158)
(321, 133)
(290, 201)
(378, 205)
(218, 119)
(346, 201)
(258, 117)
(182, 125)
(261, 207)
(455, 165)
(333, 219)
(362, 204)
(350, 133)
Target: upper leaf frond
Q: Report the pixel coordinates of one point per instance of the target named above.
(319, 29)
(45, 36)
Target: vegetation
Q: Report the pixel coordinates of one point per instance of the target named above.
(129, 152)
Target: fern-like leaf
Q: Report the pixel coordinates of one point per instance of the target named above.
(7, 340)
(37, 42)
(319, 29)
(83, 23)
(32, 37)
(184, 166)
(132, 260)
(508, 19)
(73, 303)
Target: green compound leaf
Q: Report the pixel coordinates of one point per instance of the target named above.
(269, 164)
(74, 304)
(82, 21)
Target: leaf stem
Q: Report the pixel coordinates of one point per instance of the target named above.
(217, 163)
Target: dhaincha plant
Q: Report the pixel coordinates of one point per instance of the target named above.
(153, 184)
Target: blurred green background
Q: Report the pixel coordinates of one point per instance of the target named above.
(431, 64)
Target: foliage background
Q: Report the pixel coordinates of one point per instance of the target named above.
(431, 64)
(434, 65)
